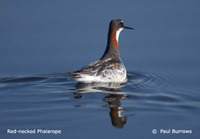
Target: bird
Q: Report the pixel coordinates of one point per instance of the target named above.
(109, 68)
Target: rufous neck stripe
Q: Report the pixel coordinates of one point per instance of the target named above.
(113, 38)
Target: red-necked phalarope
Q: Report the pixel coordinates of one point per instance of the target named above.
(109, 68)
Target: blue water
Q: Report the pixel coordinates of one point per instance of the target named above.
(133, 109)
(41, 40)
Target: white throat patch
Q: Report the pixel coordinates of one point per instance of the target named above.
(117, 33)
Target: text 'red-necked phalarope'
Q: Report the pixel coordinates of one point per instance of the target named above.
(109, 68)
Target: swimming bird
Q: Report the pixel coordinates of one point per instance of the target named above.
(109, 68)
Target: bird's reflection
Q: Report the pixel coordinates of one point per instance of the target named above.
(113, 99)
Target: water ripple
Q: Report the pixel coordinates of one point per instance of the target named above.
(161, 91)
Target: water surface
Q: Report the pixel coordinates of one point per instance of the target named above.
(54, 101)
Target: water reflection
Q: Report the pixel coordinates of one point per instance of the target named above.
(113, 99)
(114, 104)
